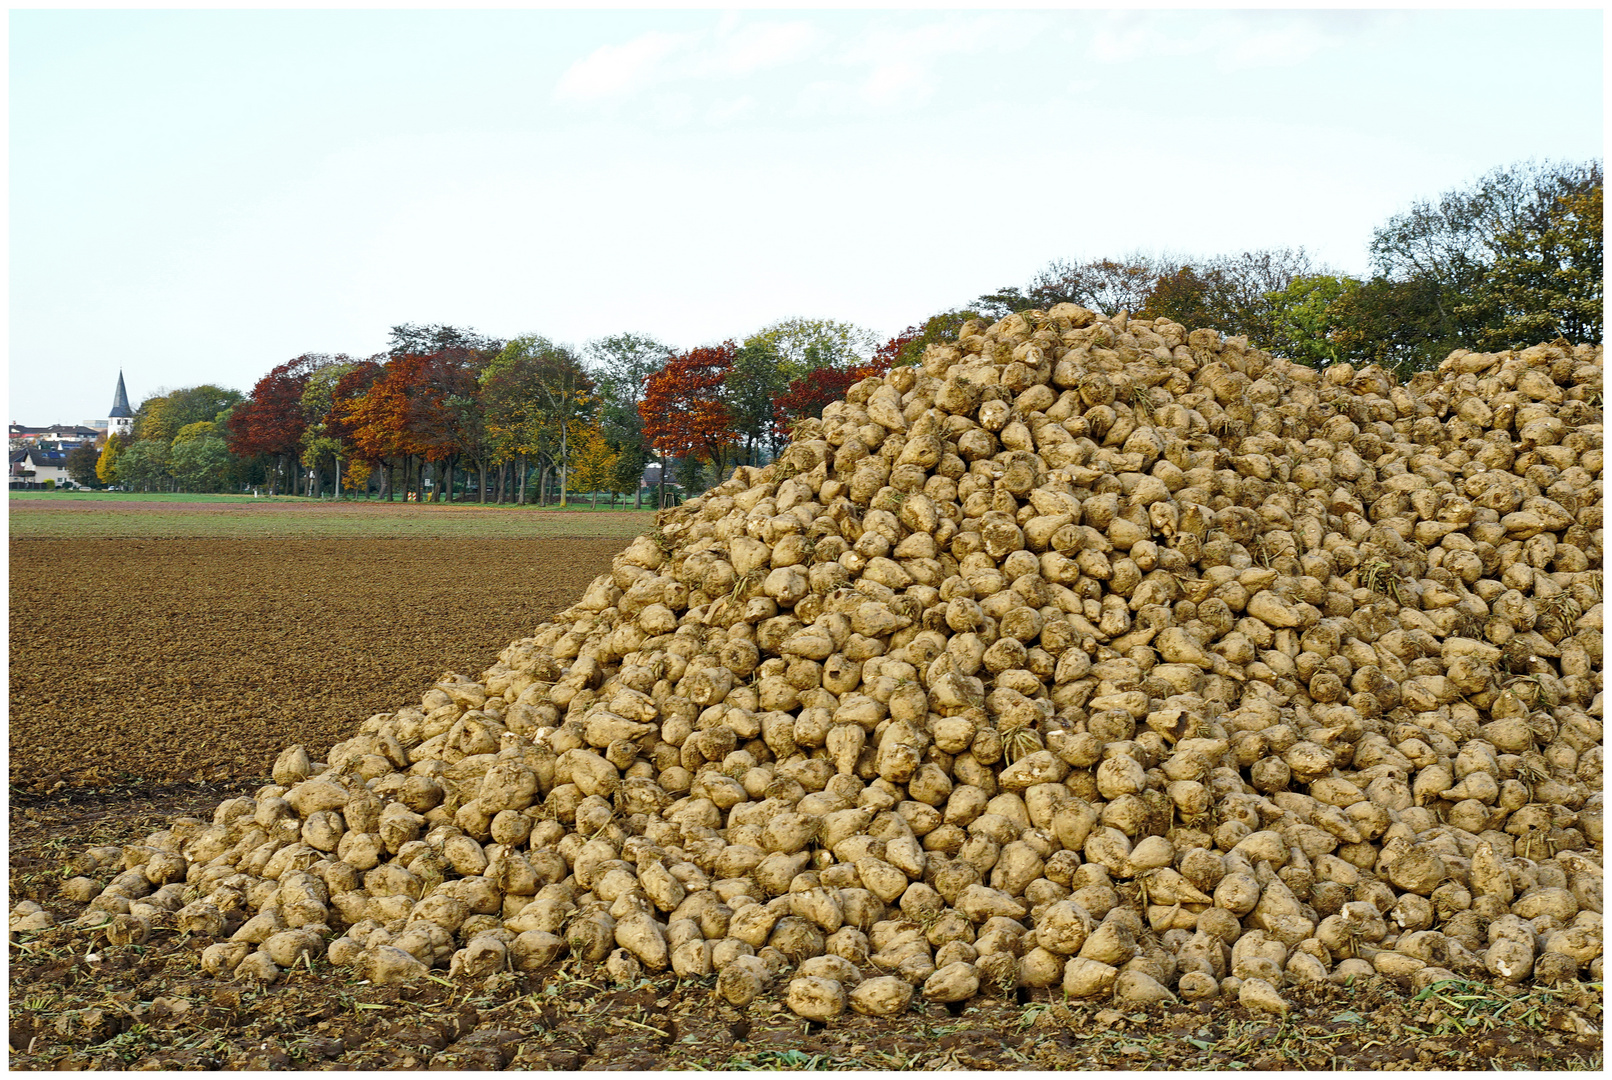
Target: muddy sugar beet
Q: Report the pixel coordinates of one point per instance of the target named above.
(1088, 654)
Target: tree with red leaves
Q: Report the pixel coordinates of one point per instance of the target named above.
(684, 410)
(271, 422)
(808, 396)
(441, 415)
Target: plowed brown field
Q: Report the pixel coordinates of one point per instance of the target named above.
(162, 654)
(160, 660)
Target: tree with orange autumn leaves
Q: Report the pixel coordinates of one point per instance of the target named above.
(410, 414)
(683, 408)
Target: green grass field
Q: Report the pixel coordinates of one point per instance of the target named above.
(106, 515)
(124, 497)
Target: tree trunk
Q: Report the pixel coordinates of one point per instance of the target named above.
(522, 466)
(481, 483)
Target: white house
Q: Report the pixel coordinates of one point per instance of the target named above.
(38, 464)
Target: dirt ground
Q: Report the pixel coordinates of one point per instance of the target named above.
(147, 683)
(159, 660)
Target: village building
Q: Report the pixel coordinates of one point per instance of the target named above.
(120, 418)
(39, 454)
(71, 435)
(35, 465)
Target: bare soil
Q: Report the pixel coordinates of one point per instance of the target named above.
(152, 678)
(141, 660)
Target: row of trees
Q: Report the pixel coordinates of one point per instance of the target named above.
(1511, 260)
(447, 409)
(178, 443)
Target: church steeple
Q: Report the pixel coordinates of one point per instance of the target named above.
(120, 418)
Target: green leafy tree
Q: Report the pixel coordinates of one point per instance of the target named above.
(321, 446)
(620, 366)
(1547, 278)
(627, 475)
(199, 459)
(1390, 323)
(1462, 260)
(1303, 321)
(535, 394)
(144, 465)
(1003, 302)
(804, 345)
(751, 385)
(81, 462)
(161, 415)
(691, 476)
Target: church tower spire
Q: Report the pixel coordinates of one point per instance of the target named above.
(120, 418)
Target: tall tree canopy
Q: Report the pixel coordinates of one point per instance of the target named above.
(161, 415)
(1502, 261)
(684, 410)
(621, 366)
(1547, 279)
(533, 394)
(424, 339)
(803, 345)
(271, 421)
(755, 379)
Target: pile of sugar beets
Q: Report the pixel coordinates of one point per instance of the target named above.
(1088, 654)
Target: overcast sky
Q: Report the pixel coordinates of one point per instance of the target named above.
(199, 195)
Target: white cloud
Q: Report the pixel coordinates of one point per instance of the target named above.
(614, 71)
(656, 59)
(1235, 40)
(885, 65)
(894, 67)
(762, 45)
(726, 112)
